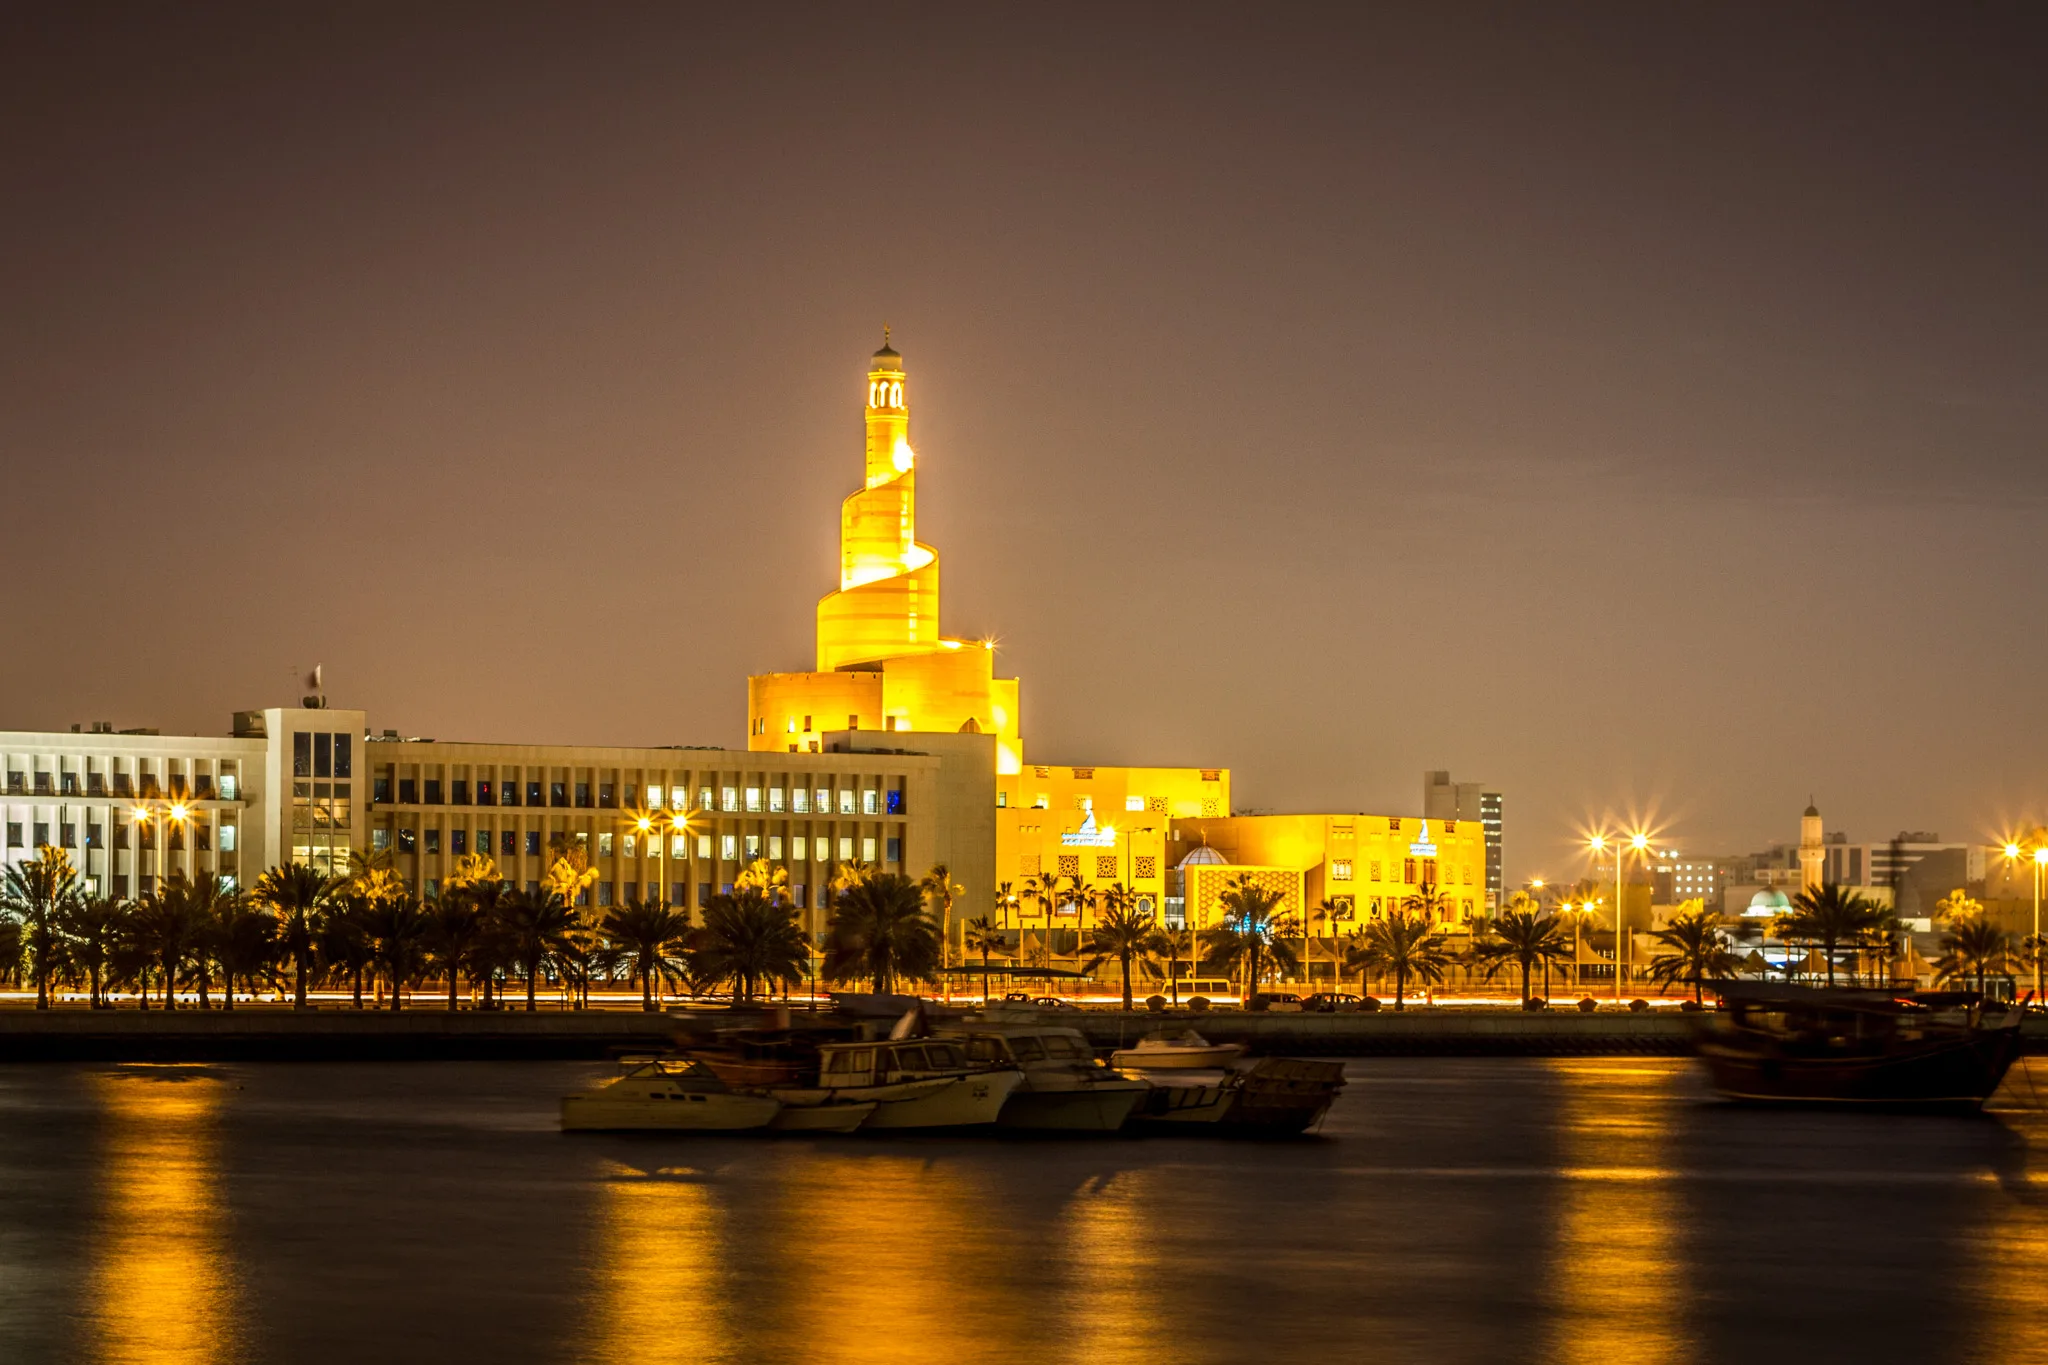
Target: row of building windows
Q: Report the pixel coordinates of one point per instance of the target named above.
(728, 847)
(176, 786)
(35, 834)
(605, 795)
(1414, 871)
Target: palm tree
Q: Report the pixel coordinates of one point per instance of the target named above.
(245, 943)
(1329, 909)
(880, 929)
(751, 938)
(454, 928)
(1176, 946)
(165, 933)
(982, 936)
(1250, 932)
(212, 900)
(539, 928)
(38, 893)
(1121, 931)
(1830, 915)
(1699, 950)
(92, 931)
(1425, 900)
(344, 936)
(299, 894)
(1973, 946)
(938, 885)
(651, 936)
(397, 931)
(1405, 944)
(492, 952)
(1526, 939)
(12, 946)
(1007, 900)
(1044, 888)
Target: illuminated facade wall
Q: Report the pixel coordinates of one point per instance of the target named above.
(1103, 825)
(1363, 864)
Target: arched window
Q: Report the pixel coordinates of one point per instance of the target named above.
(896, 394)
(874, 393)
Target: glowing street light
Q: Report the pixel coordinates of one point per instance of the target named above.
(2039, 858)
(1638, 843)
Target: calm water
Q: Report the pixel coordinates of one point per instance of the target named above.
(1486, 1211)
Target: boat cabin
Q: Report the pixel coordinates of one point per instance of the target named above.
(1029, 1048)
(890, 1060)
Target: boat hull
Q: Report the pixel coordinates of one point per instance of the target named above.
(966, 1102)
(1951, 1073)
(1177, 1058)
(1086, 1109)
(822, 1118)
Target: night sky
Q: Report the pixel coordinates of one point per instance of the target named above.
(1635, 407)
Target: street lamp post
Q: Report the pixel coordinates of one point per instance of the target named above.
(1599, 844)
(2039, 859)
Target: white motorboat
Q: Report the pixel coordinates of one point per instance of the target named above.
(841, 1117)
(1187, 1051)
(655, 1094)
(911, 1083)
(1269, 1097)
(1065, 1089)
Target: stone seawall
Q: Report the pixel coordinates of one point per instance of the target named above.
(329, 1035)
(1411, 1033)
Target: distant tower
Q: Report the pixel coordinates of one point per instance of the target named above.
(1811, 853)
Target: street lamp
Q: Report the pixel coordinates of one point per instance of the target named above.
(1636, 843)
(2039, 858)
(651, 824)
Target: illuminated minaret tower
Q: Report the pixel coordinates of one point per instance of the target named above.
(882, 663)
(1812, 848)
(887, 604)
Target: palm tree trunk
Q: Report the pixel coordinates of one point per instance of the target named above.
(451, 987)
(1126, 959)
(1400, 983)
(298, 978)
(356, 981)
(1525, 981)
(170, 980)
(647, 988)
(532, 971)
(227, 985)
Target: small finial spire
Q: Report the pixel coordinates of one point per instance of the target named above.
(885, 336)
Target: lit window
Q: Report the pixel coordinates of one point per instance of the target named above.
(775, 847)
(870, 803)
(800, 800)
(796, 848)
(867, 850)
(846, 801)
(1134, 803)
(753, 800)
(604, 845)
(845, 848)
(753, 847)
(1043, 802)
(728, 846)
(775, 800)
(732, 798)
(1340, 870)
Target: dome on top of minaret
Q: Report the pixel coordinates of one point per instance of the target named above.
(888, 358)
(1812, 811)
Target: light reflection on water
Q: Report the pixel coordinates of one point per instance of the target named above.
(1593, 1210)
(163, 1279)
(1616, 1266)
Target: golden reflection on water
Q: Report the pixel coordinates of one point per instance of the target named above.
(1112, 1273)
(2012, 1245)
(1617, 1276)
(661, 1293)
(895, 1258)
(163, 1284)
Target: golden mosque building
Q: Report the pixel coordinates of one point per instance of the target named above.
(887, 680)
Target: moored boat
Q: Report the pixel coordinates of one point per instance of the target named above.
(657, 1094)
(913, 1083)
(1786, 1044)
(1064, 1088)
(1266, 1097)
(1187, 1051)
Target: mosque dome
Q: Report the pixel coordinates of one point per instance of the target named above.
(1812, 811)
(1204, 856)
(1768, 902)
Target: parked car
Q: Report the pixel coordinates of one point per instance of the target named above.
(1283, 1002)
(1331, 1002)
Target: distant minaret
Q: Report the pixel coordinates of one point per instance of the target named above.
(1811, 854)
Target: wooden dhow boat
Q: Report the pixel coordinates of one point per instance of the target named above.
(1787, 1044)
